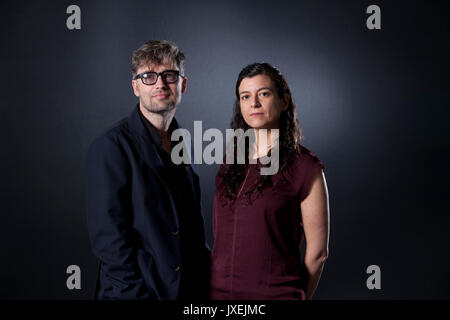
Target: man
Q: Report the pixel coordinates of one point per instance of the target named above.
(143, 211)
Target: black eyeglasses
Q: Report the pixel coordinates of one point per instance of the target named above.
(150, 77)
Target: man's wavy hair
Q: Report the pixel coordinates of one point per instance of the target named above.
(289, 138)
(157, 52)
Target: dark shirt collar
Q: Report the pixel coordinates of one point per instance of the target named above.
(156, 137)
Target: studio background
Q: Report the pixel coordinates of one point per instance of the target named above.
(373, 106)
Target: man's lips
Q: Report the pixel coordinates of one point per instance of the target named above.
(256, 114)
(161, 95)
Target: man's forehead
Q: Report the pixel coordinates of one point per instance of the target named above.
(155, 66)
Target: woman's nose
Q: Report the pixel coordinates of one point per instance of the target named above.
(255, 102)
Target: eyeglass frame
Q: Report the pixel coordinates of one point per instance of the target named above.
(140, 76)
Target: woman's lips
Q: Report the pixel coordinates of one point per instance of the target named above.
(256, 114)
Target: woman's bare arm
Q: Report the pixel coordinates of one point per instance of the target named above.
(316, 225)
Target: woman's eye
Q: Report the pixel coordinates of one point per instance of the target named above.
(265, 93)
(244, 97)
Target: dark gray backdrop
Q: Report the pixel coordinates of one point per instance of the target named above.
(373, 106)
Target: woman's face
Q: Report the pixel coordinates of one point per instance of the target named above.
(260, 104)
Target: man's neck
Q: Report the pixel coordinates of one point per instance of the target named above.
(160, 121)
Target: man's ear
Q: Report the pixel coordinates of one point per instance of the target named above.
(183, 85)
(134, 85)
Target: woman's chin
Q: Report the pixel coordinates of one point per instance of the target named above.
(258, 126)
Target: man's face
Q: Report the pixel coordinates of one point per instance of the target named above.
(160, 97)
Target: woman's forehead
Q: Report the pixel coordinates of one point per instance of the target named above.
(255, 83)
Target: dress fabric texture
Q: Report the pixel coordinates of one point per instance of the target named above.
(257, 236)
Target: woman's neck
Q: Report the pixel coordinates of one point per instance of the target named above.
(265, 139)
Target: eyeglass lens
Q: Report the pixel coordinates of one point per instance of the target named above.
(167, 76)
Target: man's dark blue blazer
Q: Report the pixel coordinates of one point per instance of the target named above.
(132, 220)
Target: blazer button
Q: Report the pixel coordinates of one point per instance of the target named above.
(179, 196)
(176, 267)
(176, 232)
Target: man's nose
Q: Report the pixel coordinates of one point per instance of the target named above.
(160, 83)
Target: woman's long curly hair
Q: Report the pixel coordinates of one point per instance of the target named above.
(289, 137)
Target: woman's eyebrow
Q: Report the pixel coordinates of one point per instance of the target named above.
(263, 88)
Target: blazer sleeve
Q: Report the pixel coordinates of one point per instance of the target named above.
(109, 216)
(199, 196)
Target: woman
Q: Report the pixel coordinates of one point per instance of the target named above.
(259, 220)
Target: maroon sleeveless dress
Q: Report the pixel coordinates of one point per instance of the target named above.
(257, 237)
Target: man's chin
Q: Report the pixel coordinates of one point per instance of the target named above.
(160, 108)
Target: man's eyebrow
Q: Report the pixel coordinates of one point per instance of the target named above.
(263, 88)
(161, 71)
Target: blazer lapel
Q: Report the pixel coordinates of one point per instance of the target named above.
(149, 153)
(190, 166)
